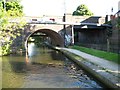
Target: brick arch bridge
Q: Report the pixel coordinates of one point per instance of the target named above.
(56, 39)
(84, 29)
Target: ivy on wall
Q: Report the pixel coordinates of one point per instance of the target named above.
(9, 31)
(118, 23)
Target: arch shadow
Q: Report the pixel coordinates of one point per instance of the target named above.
(56, 39)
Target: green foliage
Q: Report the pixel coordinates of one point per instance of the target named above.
(14, 8)
(102, 54)
(118, 22)
(3, 20)
(9, 31)
(82, 10)
(5, 49)
(38, 41)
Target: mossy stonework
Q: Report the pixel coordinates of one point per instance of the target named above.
(99, 73)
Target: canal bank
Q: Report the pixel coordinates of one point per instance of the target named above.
(104, 71)
(43, 67)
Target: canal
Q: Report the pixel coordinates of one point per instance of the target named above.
(43, 68)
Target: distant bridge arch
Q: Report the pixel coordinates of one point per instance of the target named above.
(56, 39)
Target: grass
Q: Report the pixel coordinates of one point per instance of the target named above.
(102, 54)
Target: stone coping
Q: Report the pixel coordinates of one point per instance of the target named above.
(109, 79)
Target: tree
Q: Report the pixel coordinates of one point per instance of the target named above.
(14, 8)
(82, 10)
(9, 31)
(118, 22)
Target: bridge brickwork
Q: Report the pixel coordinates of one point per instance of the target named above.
(54, 31)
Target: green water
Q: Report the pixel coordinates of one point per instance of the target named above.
(43, 68)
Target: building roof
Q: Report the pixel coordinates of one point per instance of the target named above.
(92, 26)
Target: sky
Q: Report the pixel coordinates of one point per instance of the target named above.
(59, 7)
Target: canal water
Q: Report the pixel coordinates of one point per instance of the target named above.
(43, 68)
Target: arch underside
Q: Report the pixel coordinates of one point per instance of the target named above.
(56, 39)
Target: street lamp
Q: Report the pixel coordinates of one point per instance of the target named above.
(64, 20)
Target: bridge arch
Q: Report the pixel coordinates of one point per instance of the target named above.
(56, 39)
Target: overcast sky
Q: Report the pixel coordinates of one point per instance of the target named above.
(58, 7)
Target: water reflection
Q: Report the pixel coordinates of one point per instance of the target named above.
(13, 69)
(27, 58)
(31, 49)
(18, 67)
(43, 55)
(42, 67)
